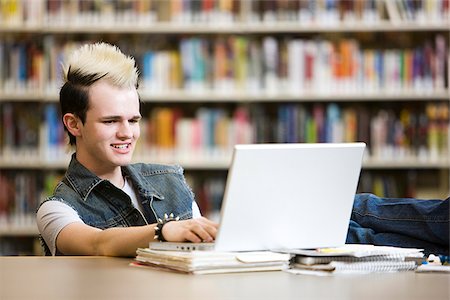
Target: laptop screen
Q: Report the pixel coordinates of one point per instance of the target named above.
(288, 196)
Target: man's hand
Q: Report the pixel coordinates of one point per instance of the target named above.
(193, 230)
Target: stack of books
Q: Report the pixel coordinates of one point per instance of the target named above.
(211, 262)
(355, 259)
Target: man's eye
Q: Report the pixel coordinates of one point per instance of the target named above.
(134, 121)
(108, 122)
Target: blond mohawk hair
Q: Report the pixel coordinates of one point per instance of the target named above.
(92, 62)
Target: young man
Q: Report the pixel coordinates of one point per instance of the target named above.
(104, 205)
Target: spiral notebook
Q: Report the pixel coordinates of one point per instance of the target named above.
(340, 267)
(356, 259)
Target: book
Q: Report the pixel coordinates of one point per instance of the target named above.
(392, 11)
(211, 262)
(355, 259)
(339, 267)
(357, 250)
(430, 268)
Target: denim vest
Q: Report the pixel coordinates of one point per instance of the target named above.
(161, 189)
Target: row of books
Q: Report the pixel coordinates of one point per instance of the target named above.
(418, 131)
(209, 190)
(20, 194)
(147, 12)
(416, 11)
(270, 64)
(390, 184)
(19, 128)
(31, 132)
(250, 65)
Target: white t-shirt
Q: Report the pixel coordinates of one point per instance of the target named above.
(53, 216)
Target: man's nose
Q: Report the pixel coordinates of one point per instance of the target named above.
(125, 130)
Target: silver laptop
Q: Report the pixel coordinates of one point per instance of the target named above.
(285, 196)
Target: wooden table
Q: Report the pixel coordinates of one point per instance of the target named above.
(113, 278)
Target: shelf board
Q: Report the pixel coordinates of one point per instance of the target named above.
(367, 164)
(226, 27)
(407, 164)
(284, 97)
(33, 164)
(211, 96)
(222, 163)
(18, 230)
(21, 96)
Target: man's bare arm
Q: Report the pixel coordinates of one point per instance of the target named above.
(82, 239)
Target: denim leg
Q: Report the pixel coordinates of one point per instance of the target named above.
(400, 222)
(360, 235)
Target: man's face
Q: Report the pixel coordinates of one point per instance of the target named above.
(111, 129)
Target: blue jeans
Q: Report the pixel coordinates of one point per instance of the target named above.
(400, 222)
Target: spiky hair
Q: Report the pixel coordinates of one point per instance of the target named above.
(92, 62)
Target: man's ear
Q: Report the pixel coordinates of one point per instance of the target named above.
(73, 124)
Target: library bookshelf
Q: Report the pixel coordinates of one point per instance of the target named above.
(242, 71)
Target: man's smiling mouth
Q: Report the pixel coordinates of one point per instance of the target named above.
(122, 146)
